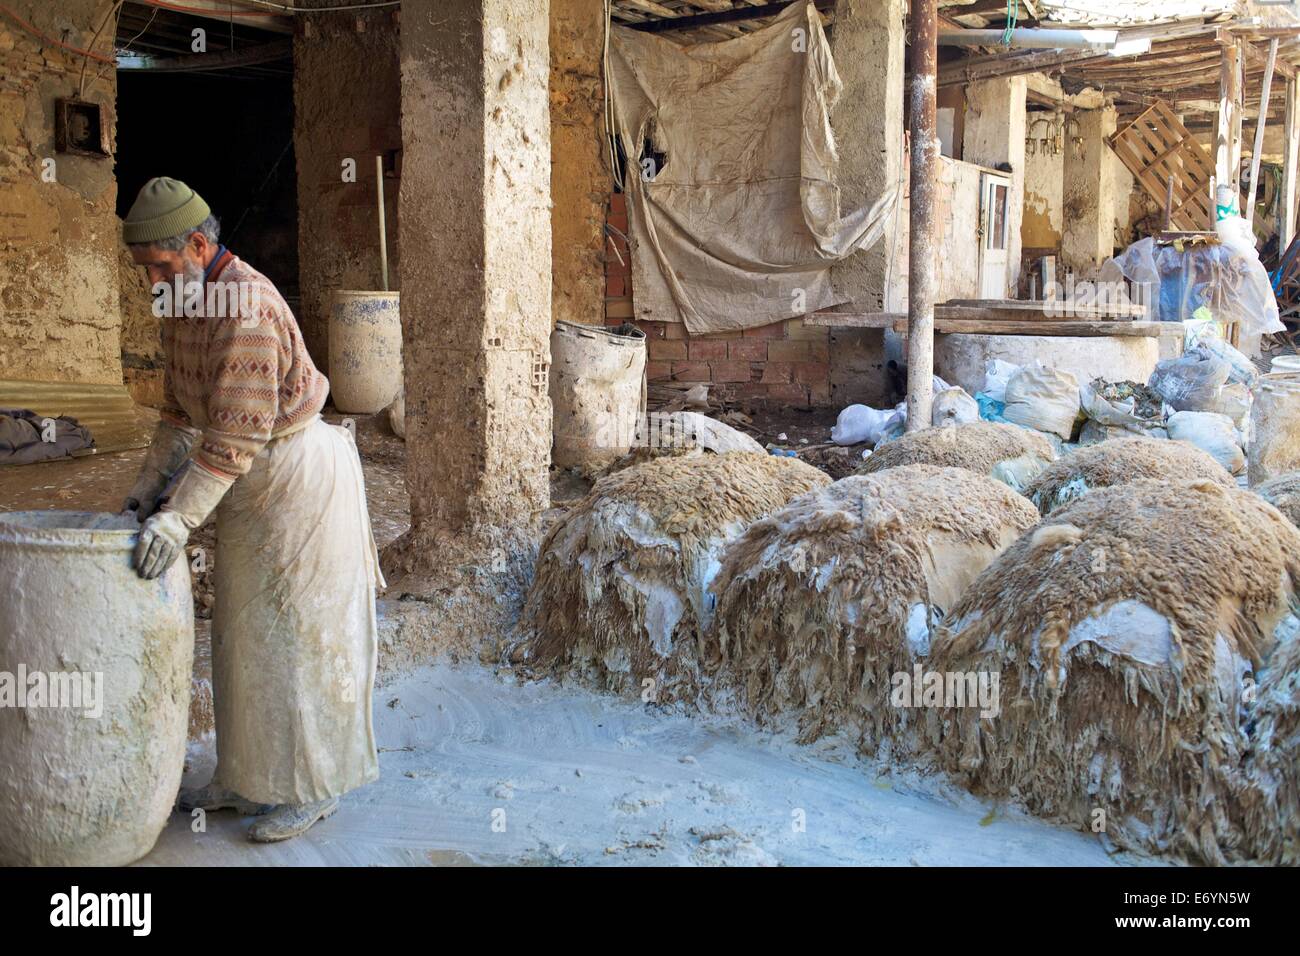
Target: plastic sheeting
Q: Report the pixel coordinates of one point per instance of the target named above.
(1179, 283)
(738, 225)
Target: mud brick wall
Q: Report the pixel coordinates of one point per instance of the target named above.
(60, 318)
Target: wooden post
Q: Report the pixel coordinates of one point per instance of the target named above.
(1227, 142)
(1286, 204)
(1258, 148)
(921, 278)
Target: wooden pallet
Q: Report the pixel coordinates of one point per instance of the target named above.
(1156, 147)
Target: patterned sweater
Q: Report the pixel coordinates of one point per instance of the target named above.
(240, 379)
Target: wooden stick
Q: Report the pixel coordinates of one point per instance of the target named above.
(383, 229)
(1259, 129)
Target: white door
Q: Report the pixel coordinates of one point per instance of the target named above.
(994, 191)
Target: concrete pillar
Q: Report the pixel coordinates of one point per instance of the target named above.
(1088, 190)
(995, 135)
(580, 180)
(476, 283)
(868, 46)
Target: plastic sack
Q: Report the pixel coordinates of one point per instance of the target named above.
(996, 375)
(1209, 334)
(1236, 235)
(862, 423)
(1213, 434)
(953, 406)
(1177, 283)
(1045, 399)
(1191, 382)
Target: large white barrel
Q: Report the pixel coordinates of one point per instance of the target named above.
(1275, 428)
(597, 392)
(365, 367)
(94, 690)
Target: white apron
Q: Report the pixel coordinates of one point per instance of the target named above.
(294, 635)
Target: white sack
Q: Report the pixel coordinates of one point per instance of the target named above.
(1046, 399)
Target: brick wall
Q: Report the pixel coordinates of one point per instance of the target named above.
(785, 363)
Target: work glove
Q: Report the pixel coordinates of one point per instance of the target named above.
(167, 453)
(195, 495)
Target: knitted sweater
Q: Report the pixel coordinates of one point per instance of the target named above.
(240, 379)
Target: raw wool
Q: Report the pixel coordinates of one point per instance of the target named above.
(1121, 630)
(1272, 808)
(1117, 462)
(1283, 493)
(621, 586)
(676, 434)
(820, 604)
(1009, 453)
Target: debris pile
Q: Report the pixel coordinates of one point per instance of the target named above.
(1125, 631)
(823, 601)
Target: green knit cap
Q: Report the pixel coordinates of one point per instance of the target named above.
(165, 208)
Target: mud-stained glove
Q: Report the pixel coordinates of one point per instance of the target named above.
(196, 494)
(167, 453)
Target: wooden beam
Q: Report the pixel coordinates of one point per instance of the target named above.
(670, 19)
(922, 276)
(1081, 328)
(1290, 150)
(1258, 148)
(1227, 139)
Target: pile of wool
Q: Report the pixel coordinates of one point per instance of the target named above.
(1119, 461)
(669, 434)
(1283, 493)
(1271, 804)
(621, 588)
(1009, 453)
(1122, 631)
(821, 604)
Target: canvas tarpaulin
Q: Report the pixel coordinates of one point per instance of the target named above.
(739, 223)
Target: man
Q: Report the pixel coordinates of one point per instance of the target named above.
(293, 629)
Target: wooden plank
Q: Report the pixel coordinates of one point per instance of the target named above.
(1027, 307)
(1156, 147)
(1083, 329)
(854, 320)
(1290, 150)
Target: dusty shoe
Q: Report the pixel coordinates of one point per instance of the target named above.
(290, 820)
(216, 797)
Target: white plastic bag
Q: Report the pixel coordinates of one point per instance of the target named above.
(1045, 399)
(996, 375)
(1213, 434)
(862, 423)
(1191, 382)
(953, 406)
